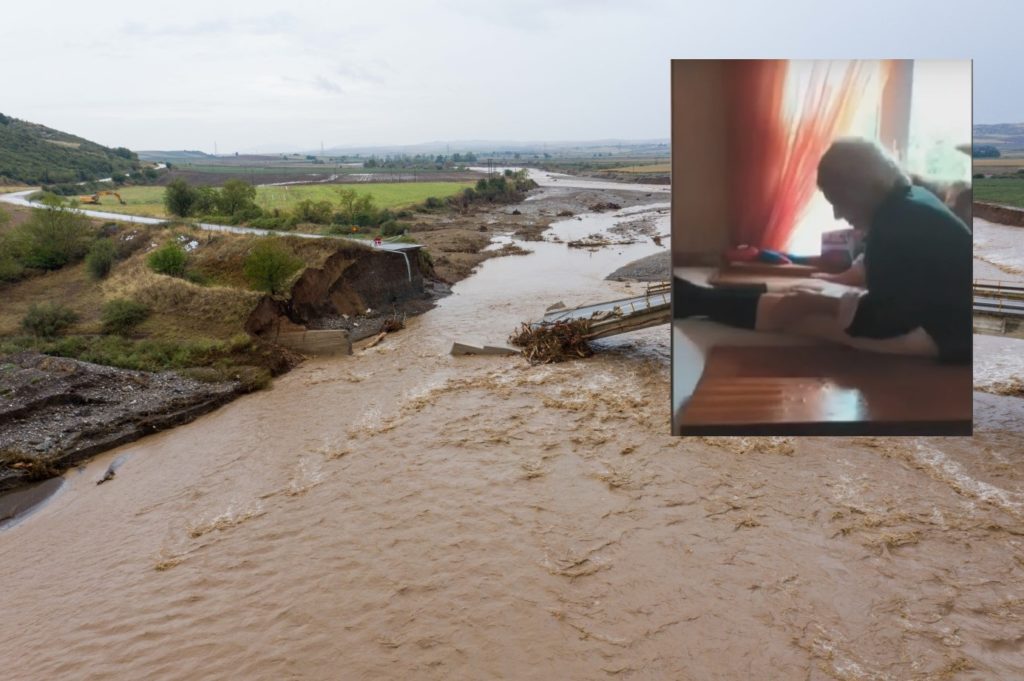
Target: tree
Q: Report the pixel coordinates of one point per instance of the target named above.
(53, 237)
(237, 196)
(180, 198)
(269, 265)
(316, 212)
(985, 151)
(206, 200)
(348, 199)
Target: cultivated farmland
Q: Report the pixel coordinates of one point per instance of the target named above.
(149, 200)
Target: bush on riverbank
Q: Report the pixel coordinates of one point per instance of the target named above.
(121, 316)
(100, 258)
(169, 259)
(270, 265)
(51, 238)
(48, 320)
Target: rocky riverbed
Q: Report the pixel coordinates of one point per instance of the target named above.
(56, 412)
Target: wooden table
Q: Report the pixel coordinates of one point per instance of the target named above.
(826, 390)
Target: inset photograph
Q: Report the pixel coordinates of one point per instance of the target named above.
(821, 247)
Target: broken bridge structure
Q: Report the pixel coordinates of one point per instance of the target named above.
(652, 308)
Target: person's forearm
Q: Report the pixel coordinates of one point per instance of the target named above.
(853, 276)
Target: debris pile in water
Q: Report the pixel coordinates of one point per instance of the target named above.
(393, 323)
(1013, 387)
(554, 342)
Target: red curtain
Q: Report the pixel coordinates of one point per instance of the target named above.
(776, 145)
(754, 96)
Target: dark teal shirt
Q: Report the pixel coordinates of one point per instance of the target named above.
(918, 267)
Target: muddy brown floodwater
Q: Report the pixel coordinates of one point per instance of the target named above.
(410, 515)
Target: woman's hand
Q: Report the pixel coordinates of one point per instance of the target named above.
(854, 276)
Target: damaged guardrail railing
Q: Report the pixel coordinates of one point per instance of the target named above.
(564, 332)
(616, 316)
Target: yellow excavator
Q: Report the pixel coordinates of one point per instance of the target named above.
(94, 199)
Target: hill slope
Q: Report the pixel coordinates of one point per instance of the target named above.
(175, 156)
(1008, 138)
(35, 154)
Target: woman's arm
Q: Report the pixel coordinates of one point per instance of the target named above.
(854, 276)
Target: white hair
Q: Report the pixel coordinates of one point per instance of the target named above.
(860, 168)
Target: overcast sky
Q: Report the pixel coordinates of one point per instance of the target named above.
(288, 75)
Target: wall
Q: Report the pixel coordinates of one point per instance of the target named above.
(700, 172)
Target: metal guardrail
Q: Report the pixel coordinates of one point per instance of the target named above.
(618, 316)
(997, 298)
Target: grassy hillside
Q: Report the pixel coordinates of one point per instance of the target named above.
(196, 319)
(34, 154)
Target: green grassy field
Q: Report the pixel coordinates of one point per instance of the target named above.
(651, 168)
(1009, 191)
(150, 200)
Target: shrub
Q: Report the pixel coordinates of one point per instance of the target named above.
(121, 316)
(269, 265)
(433, 202)
(317, 212)
(100, 258)
(393, 228)
(48, 320)
(168, 259)
(10, 268)
(426, 262)
(51, 238)
(270, 222)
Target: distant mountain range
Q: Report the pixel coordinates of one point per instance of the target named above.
(654, 146)
(35, 154)
(487, 146)
(1008, 138)
(174, 156)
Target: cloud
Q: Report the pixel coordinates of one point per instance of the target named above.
(329, 86)
(270, 24)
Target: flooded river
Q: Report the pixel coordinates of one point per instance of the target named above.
(407, 514)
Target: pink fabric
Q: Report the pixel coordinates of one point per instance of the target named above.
(775, 154)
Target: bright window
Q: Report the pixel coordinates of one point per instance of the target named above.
(940, 120)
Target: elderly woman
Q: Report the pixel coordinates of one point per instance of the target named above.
(916, 267)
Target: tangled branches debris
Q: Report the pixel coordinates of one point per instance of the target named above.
(554, 342)
(394, 323)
